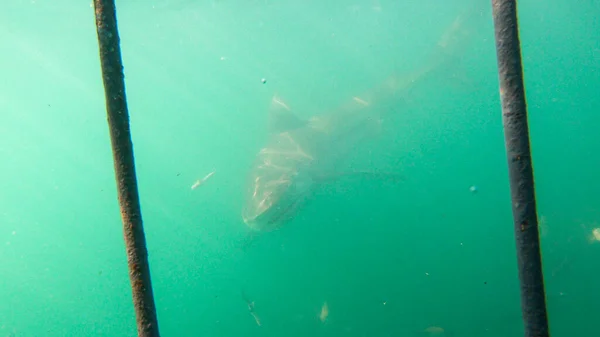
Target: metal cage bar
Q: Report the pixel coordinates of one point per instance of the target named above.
(516, 137)
(122, 149)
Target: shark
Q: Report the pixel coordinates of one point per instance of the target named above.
(302, 154)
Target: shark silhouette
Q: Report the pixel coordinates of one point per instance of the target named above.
(301, 154)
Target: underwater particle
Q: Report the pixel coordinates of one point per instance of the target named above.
(263, 80)
(473, 189)
(14, 233)
(426, 274)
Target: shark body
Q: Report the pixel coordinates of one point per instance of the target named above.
(300, 154)
(297, 157)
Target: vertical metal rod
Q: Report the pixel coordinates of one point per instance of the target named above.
(122, 147)
(516, 137)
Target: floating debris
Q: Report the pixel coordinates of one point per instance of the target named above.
(594, 236)
(324, 312)
(201, 181)
(281, 103)
(360, 101)
(434, 331)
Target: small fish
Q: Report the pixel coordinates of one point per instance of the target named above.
(250, 305)
(256, 318)
(201, 181)
(324, 312)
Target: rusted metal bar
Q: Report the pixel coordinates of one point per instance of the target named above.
(516, 137)
(120, 136)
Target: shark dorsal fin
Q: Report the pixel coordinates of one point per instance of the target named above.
(281, 117)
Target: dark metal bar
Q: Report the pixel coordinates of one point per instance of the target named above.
(516, 137)
(120, 136)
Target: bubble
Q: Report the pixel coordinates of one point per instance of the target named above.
(263, 80)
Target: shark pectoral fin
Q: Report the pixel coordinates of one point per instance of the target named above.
(281, 117)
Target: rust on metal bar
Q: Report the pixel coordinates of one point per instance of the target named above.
(122, 148)
(516, 136)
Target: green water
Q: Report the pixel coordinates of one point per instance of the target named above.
(420, 257)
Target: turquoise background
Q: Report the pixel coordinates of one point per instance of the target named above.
(422, 257)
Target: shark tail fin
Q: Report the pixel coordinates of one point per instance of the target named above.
(445, 58)
(452, 44)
